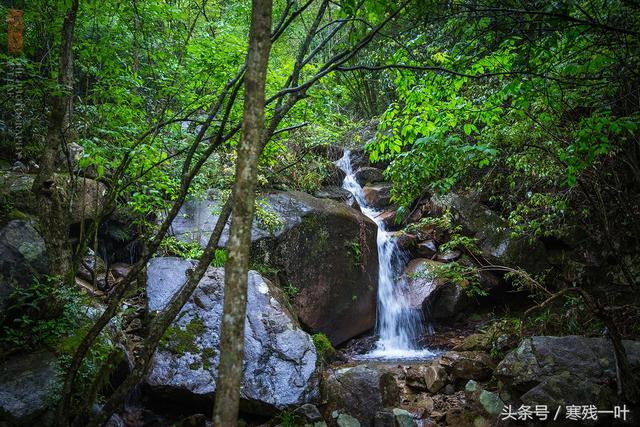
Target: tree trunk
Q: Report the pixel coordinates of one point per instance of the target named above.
(227, 400)
(50, 191)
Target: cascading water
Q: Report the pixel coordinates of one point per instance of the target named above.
(397, 325)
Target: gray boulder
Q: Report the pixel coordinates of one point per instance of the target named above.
(420, 281)
(361, 391)
(26, 388)
(323, 248)
(569, 370)
(279, 359)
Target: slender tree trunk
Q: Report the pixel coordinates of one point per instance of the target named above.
(227, 400)
(50, 192)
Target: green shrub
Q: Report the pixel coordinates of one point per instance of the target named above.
(28, 321)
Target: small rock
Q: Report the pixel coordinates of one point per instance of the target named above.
(490, 402)
(345, 420)
(449, 389)
(426, 249)
(472, 386)
(309, 413)
(449, 256)
(403, 418)
(435, 378)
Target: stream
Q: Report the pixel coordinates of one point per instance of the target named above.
(398, 327)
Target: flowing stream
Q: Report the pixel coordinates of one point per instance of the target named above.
(397, 326)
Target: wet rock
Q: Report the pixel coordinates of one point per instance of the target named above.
(279, 358)
(446, 301)
(26, 383)
(378, 195)
(361, 391)
(23, 257)
(388, 218)
(569, 370)
(466, 365)
(405, 241)
(338, 194)
(368, 175)
(334, 176)
(426, 249)
(324, 249)
(449, 256)
(420, 280)
(403, 418)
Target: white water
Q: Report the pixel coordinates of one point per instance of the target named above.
(397, 326)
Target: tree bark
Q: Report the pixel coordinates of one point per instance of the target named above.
(227, 400)
(50, 191)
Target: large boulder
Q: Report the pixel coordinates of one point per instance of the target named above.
(368, 175)
(569, 370)
(23, 257)
(360, 391)
(331, 257)
(26, 387)
(420, 281)
(492, 232)
(87, 196)
(279, 357)
(323, 248)
(378, 195)
(446, 301)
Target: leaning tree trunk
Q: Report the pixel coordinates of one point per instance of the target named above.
(50, 192)
(227, 400)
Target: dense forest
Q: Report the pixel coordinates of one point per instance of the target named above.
(319, 213)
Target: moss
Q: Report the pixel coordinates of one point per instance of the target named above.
(180, 341)
(324, 349)
(207, 354)
(315, 228)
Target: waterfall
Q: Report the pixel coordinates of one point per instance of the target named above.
(397, 326)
